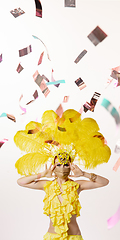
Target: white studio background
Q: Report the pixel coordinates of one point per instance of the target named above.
(64, 31)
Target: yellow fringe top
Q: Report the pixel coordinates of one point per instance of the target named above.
(60, 213)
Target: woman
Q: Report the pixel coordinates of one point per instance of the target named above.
(61, 202)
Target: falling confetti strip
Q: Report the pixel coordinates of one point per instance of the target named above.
(56, 82)
(90, 106)
(25, 51)
(81, 55)
(66, 98)
(97, 36)
(70, 3)
(38, 8)
(112, 221)
(41, 58)
(11, 117)
(43, 44)
(117, 164)
(17, 12)
(79, 82)
(117, 147)
(1, 58)
(22, 108)
(59, 110)
(19, 68)
(3, 141)
(53, 80)
(109, 107)
(41, 83)
(3, 115)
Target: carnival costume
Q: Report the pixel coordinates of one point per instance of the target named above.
(64, 137)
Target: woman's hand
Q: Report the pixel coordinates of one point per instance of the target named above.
(48, 171)
(76, 170)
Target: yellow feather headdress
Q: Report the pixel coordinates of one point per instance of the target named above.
(43, 141)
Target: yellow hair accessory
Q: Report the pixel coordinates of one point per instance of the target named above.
(63, 157)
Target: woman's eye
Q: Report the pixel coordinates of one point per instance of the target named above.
(67, 165)
(58, 165)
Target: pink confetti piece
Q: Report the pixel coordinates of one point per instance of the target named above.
(112, 221)
(41, 83)
(3, 141)
(66, 98)
(59, 111)
(53, 80)
(23, 109)
(19, 68)
(117, 164)
(1, 58)
(41, 58)
(116, 68)
(81, 110)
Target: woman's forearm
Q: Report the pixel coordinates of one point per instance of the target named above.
(28, 179)
(98, 179)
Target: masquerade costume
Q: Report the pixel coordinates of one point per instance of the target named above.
(64, 137)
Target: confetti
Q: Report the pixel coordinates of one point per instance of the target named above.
(97, 36)
(23, 109)
(38, 8)
(80, 83)
(35, 95)
(52, 142)
(61, 129)
(116, 75)
(3, 141)
(73, 119)
(40, 59)
(19, 68)
(55, 83)
(41, 83)
(43, 44)
(53, 80)
(81, 55)
(70, 3)
(3, 115)
(117, 147)
(45, 78)
(17, 12)
(107, 104)
(112, 221)
(11, 117)
(81, 110)
(25, 51)
(90, 106)
(117, 164)
(66, 98)
(59, 110)
(1, 58)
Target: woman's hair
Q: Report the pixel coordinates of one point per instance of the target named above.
(56, 158)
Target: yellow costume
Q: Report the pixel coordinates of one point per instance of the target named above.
(51, 236)
(60, 213)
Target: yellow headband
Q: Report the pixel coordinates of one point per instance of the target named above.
(63, 157)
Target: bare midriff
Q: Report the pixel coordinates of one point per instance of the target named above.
(73, 228)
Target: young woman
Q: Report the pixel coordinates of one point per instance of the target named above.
(61, 202)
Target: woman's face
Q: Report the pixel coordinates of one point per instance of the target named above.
(61, 171)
